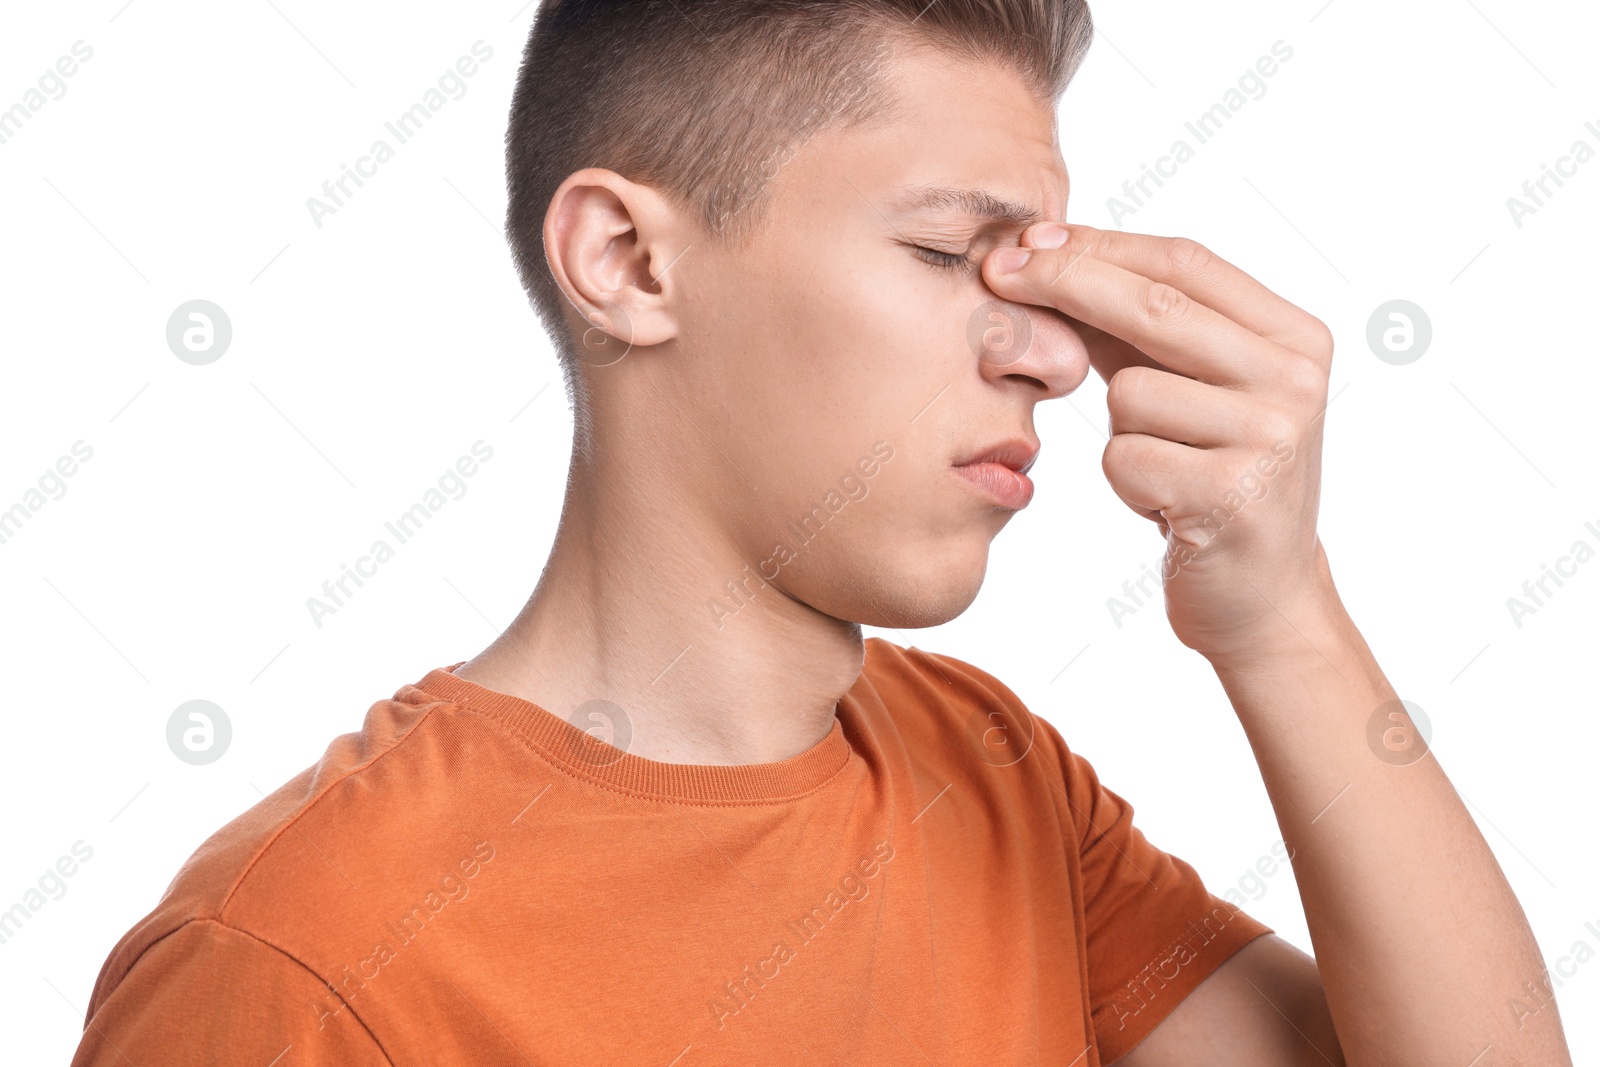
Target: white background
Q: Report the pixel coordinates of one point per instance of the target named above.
(369, 353)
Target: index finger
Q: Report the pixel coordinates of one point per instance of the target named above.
(1176, 331)
(1199, 273)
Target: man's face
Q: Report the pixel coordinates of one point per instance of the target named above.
(832, 332)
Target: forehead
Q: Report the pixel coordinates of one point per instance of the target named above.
(957, 139)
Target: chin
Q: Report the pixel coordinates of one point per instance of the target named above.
(920, 615)
(927, 593)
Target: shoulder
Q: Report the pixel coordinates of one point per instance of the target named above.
(948, 682)
(206, 992)
(296, 867)
(940, 701)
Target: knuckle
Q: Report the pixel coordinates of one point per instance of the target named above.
(1123, 387)
(1278, 426)
(1126, 460)
(1164, 303)
(1188, 256)
(1306, 380)
(1078, 243)
(1110, 456)
(1319, 340)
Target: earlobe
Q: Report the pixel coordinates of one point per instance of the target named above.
(608, 337)
(602, 236)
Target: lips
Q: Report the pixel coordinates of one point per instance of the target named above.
(1001, 472)
(1018, 454)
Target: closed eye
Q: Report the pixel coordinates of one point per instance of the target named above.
(944, 260)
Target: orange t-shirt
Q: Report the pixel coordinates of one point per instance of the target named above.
(472, 879)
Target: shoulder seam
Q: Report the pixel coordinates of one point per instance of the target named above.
(263, 941)
(294, 818)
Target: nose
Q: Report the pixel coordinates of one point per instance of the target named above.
(1029, 343)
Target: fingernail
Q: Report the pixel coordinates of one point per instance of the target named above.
(1010, 260)
(1049, 235)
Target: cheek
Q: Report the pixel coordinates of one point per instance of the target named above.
(812, 359)
(873, 340)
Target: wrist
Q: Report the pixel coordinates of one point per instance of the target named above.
(1308, 623)
(1309, 633)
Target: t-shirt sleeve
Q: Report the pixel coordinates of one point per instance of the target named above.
(1153, 931)
(208, 993)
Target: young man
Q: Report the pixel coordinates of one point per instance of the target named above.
(777, 246)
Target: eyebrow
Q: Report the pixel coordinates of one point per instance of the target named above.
(977, 203)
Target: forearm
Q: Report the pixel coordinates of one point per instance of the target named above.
(1420, 942)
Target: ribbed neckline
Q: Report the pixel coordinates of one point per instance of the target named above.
(583, 755)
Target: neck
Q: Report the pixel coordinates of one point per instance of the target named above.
(623, 612)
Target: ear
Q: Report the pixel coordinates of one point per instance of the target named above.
(608, 242)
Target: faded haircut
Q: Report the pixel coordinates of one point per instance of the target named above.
(701, 99)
